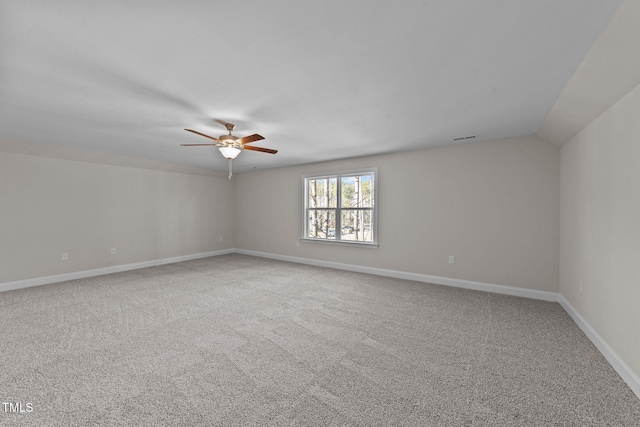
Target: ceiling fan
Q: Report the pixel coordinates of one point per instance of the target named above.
(229, 145)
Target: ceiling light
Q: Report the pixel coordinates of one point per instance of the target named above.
(229, 152)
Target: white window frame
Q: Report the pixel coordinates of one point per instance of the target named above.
(338, 209)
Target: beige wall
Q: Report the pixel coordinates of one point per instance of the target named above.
(49, 206)
(600, 226)
(493, 205)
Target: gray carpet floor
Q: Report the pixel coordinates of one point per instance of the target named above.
(238, 340)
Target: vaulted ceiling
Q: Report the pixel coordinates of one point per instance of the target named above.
(320, 80)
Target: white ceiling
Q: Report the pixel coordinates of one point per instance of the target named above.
(319, 80)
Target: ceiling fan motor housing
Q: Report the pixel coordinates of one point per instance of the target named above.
(230, 140)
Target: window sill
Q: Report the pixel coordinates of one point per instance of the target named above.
(370, 245)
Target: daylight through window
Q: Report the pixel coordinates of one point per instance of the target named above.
(341, 207)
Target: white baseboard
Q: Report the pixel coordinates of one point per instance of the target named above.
(27, 283)
(626, 373)
(459, 283)
(438, 280)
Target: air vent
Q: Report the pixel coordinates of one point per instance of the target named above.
(465, 137)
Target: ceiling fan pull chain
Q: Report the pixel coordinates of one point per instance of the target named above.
(230, 168)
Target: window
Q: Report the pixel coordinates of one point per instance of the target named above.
(341, 207)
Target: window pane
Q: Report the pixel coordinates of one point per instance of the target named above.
(322, 224)
(322, 193)
(357, 191)
(357, 225)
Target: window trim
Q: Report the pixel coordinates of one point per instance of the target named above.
(338, 208)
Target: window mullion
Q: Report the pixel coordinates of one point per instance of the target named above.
(338, 207)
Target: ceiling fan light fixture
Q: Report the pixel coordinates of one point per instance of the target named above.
(229, 152)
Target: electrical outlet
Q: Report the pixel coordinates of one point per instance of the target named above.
(113, 251)
(297, 244)
(220, 239)
(64, 256)
(452, 259)
(580, 285)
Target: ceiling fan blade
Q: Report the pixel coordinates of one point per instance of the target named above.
(263, 150)
(249, 139)
(202, 134)
(202, 145)
(229, 126)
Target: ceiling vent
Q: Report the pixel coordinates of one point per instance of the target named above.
(461, 138)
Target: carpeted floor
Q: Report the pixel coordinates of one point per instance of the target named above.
(238, 340)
